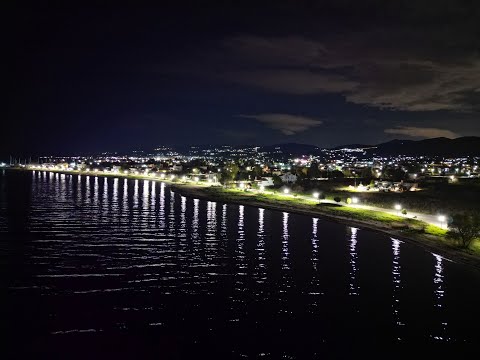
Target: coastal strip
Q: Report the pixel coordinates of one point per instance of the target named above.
(414, 231)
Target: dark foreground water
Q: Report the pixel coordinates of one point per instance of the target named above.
(100, 266)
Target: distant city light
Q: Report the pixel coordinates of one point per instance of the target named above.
(262, 188)
(398, 207)
(196, 179)
(172, 177)
(286, 191)
(316, 195)
(442, 218)
(355, 200)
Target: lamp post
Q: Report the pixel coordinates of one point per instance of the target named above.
(398, 207)
(442, 219)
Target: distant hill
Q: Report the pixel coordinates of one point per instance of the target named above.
(352, 146)
(463, 146)
(292, 148)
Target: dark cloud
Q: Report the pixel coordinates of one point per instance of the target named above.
(288, 124)
(298, 82)
(364, 68)
(419, 132)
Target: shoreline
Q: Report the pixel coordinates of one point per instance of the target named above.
(431, 243)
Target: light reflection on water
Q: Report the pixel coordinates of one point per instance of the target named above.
(397, 285)
(132, 252)
(354, 288)
(439, 293)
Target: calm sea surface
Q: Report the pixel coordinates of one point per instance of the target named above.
(93, 265)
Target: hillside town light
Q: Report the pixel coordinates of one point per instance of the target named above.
(262, 188)
(316, 195)
(184, 178)
(354, 200)
(286, 191)
(241, 185)
(172, 177)
(196, 179)
(162, 176)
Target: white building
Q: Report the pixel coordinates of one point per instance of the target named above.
(289, 178)
(266, 181)
(177, 168)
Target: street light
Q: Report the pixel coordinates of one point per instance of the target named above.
(398, 207)
(442, 219)
(355, 200)
(316, 195)
(196, 179)
(172, 177)
(286, 191)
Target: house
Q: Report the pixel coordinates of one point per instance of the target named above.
(288, 178)
(177, 168)
(266, 181)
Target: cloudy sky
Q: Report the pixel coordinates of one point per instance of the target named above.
(319, 72)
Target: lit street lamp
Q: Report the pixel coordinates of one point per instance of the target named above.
(286, 191)
(442, 219)
(316, 195)
(398, 207)
(355, 200)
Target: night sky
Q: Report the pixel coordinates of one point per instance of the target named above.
(319, 72)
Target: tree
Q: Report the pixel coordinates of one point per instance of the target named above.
(257, 171)
(465, 228)
(277, 181)
(300, 171)
(335, 174)
(313, 171)
(229, 173)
